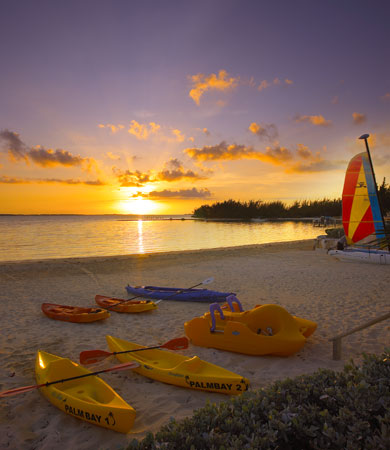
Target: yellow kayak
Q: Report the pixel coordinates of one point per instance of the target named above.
(90, 399)
(180, 370)
(263, 330)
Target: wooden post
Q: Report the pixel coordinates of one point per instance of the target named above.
(337, 339)
(337, 349)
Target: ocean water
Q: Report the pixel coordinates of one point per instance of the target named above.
(43, 237)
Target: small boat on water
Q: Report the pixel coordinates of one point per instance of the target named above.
(125, 306)
(73, 313)
(365, 232)
(263, 330)
(179, 370)
(178, 294)
(90, 399)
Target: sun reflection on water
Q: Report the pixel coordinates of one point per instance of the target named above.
(140, 237)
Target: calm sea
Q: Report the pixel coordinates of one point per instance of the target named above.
(42, 237)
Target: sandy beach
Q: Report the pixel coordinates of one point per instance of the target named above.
(309, 284)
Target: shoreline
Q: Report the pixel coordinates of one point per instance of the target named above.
(309, 284)
(276, 246)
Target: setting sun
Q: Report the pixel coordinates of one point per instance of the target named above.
(138, 205)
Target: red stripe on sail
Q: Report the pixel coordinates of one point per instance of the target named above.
(365, 228)
(350, 183)
(352, 175)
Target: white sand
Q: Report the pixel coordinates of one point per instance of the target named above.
(310, 284)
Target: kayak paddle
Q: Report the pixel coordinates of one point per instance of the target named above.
(92, 356)
(207, 281)
(21, 390)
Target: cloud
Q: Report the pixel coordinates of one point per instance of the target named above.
(112, 156)
(358, 118)
(12, 180)
(13, 145)
(114, 128)
(202, 83)
(269, 132)
(321, 165)
(175, 171)
(386, 97)
(48, 157)
(143, 131)
(39, 155)
(179, 136)
(134, 178)
(314, 120)
(302, 159)
(225, 152)
(264, 84)
(179, 194)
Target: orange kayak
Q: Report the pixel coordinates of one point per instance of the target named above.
(74, 313)
(125, 306)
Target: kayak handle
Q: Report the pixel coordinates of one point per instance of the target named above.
(233, 299)
(215, 307)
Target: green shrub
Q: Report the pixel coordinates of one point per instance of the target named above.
(349, 409)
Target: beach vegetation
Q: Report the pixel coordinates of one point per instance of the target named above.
(233, 209)
(347, 409)
(384, 196)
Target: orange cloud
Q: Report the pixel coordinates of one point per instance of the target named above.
(263, 85)
(202, 83)
(314, 120)
(173, 171)
(358, 118)
(179, 194)
(143, 131)
(179, 136)
(11, 180)
(134, 178)
(225, 152)
(39, 155)
(49, 158)
(265, 131)
(276, 81)
(112, 156)
(386, 97)
(13, 145)
(291, 160)
(114, 128)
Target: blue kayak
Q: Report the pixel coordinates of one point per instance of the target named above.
(179, 294)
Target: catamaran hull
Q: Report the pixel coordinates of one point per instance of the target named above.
(368, 256)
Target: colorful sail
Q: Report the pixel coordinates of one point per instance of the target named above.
(361, 214)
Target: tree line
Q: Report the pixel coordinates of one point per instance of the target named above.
(232, 209)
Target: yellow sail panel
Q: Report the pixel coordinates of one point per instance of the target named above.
(360, 204)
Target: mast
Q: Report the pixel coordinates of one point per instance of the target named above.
(365, 137)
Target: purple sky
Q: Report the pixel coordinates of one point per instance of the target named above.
(237, 99)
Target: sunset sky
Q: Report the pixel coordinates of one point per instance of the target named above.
(159, 107)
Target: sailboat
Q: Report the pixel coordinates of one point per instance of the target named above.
(362, 215)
